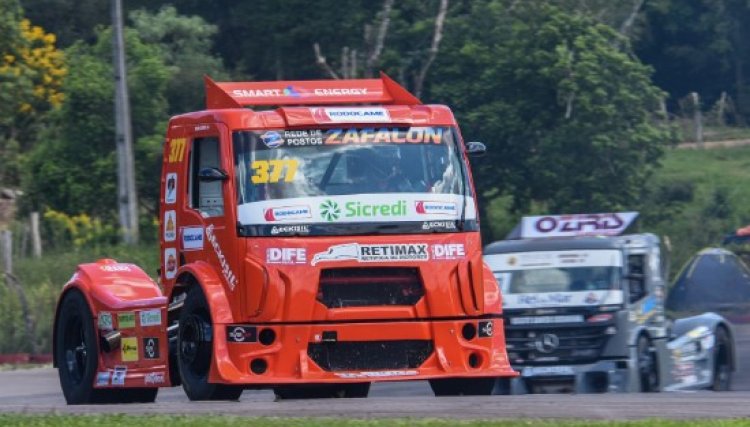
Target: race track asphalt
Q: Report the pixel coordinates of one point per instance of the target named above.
(38, 391)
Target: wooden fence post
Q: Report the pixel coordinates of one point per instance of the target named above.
(36, 238)
(7, 245)
(697, 118)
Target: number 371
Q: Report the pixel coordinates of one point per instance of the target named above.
(271, 170)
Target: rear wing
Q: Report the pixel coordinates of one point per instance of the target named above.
(307, 92)
(598, 224)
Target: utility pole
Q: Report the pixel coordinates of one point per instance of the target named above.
(127, 199)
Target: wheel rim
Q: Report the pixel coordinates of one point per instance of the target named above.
(74, 348)
(195, 345)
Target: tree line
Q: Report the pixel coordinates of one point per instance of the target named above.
(572, 97)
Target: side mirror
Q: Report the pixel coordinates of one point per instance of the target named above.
(212, 174)
(476, 148)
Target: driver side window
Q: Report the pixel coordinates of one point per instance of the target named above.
(637, 276)
(205, 196)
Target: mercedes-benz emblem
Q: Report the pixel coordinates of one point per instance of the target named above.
(547, 343)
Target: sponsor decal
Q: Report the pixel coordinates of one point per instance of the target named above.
(170, 263)
(486, 329)
(286, 256)
(118, 376)
(439, 225)
(102, 379)
(170, 193)
(238, 333)
(176, 150)
(540, 320)
(170, 226)
(373, 253)
(413, 135)
(104, 321)
(555, 259)
(154, 378)
(151, 348)
(330, 210)
(448, 251)
(531, 371)
(290, 229)
(126, 320)
(426, 207)
(560, 299)
(287, 213)
(256, 93)
(293, 91)
(150, 317)
(340, 92)
(375, 374)
(201, 128)
(226, 270)
(113, 268)
(303, 137)
(576, 225)
(192, 238)
(129, 349)
(350, 115)
(591, 298)
(272, 139)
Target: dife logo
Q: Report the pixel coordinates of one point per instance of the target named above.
(448, 251)
(286, 255)
(287, 213)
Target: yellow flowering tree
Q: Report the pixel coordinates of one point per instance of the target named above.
(31, 73)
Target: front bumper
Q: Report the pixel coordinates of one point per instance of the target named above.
(597, 377)
(357, 351)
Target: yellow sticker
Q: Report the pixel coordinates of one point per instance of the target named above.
(129, 349)
(176, 150)
(126, 320)
(271, 170)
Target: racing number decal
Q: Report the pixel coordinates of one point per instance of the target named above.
(177, 150)
(270, 170)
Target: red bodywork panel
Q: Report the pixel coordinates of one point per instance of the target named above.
(251, 294)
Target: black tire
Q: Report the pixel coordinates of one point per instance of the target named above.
(322, 391)
(195, 351)
(76, 356)
(463, 386)
(648, 366)
(722, 362)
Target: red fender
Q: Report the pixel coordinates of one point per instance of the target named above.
(213, 290)
(493, 298)
(111, 286)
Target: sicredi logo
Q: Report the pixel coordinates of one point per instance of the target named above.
(351, 115)
(286, 256)
(287, 213)
(424, 207)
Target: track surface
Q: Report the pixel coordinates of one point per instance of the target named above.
(38, 391)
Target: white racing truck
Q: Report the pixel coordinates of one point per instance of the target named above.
(584, 309)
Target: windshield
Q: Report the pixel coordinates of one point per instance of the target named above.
(322, 181)
(558, 278)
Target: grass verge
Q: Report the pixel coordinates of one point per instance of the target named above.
(209, 421)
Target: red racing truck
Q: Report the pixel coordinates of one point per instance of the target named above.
(312, 248)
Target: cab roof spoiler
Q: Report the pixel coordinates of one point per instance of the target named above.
(307, 92)
(595, 224)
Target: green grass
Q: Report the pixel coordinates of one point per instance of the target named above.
(43, 279)
(208, 421)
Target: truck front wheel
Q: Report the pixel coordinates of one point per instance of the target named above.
(195, 351)
(463, 386)
(648, 367)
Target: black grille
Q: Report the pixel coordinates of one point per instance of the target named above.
(574, 345)
(361, 287)
(370, 355)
